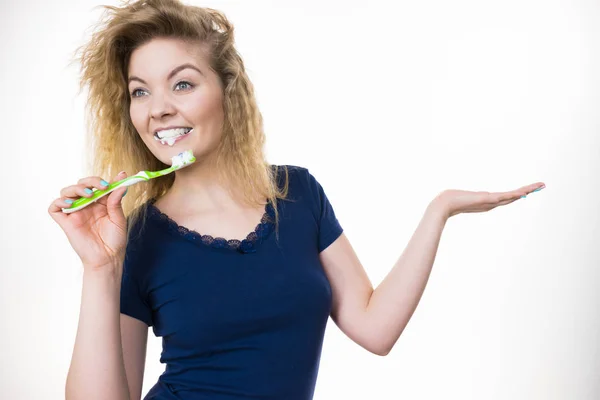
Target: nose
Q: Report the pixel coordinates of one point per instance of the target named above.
(161, 106)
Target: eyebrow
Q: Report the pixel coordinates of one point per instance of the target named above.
(171, 74)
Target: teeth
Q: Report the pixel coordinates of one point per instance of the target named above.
(169, 136)
(172, 132)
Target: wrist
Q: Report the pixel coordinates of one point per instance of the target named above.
(439, 206)
(104, 276)
(111, 267)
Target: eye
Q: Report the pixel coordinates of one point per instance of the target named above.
(189, 85)
(133, 94)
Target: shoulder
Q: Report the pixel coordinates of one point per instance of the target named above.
(300, 181)
(303, 186)
(297, 175)
(294, 170)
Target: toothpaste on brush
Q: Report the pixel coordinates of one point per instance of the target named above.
(181, 159)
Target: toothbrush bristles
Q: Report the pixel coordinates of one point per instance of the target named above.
(182, 159)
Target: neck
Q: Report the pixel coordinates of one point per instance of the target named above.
(199, 183)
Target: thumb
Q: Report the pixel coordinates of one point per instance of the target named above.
(113, 204)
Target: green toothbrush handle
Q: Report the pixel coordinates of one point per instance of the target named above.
(141, 176)
(99, 193)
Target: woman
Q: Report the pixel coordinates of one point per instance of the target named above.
(242, 307)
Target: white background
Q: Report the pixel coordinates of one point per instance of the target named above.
(387, 103)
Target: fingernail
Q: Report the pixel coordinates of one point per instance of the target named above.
(88, 191)
(125, 192)
(103, 182)
(523, 196)
(69, 201)
(538, 189)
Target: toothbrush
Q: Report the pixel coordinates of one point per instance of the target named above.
(179, 161)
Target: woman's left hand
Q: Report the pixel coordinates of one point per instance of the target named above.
(461, 201)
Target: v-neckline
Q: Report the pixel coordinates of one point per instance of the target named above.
(247, 245)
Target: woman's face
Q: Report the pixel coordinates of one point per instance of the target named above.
(171, 86)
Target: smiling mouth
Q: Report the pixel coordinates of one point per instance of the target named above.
(172, 137)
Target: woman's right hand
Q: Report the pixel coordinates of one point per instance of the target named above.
(98, 232)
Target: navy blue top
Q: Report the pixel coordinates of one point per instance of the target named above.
(238, 320)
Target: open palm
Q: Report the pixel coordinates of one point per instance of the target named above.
(462, 201)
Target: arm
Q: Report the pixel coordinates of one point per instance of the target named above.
(394, 301)
(134, 340)
(97, 368)
(375, 319)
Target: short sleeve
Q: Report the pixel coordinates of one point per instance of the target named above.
(329, 226)
(132, 298)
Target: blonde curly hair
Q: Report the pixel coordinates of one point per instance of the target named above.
(112, 139)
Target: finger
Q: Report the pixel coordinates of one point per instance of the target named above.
(536, 187)
(79, 190)
(526, 190)
(517, 193)
(74, 192)
(93, 181)
(56, 207)
(510, 197)
(114, 204)
(498, 204)
(530, 188)
(505, 202)
(504, 196)
(83, 188)
(121, 175)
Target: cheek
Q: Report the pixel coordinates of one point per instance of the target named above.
(138, 120)
(134, 114)
(205, 107)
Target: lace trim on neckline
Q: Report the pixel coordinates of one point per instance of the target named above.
(247, 245)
